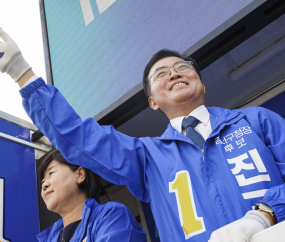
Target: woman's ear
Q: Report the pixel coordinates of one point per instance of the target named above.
(81, 175)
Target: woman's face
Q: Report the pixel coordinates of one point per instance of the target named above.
(59, 187)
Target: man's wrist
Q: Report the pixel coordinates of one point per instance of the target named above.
(266, 211)
(272, 219)
(23, 79)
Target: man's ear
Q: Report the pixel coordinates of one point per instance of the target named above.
(81, 175)
(153, 104)
(203, 86)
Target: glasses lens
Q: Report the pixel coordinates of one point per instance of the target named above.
(161, 74)
(183, 66)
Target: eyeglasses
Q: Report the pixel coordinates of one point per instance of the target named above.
(163, 73)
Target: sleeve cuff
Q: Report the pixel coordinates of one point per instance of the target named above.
(32, 87)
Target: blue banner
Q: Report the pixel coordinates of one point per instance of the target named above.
(19, 219)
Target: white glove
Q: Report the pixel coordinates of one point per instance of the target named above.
(241, 230)
(11, 59)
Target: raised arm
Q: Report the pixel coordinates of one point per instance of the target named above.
(116, 157)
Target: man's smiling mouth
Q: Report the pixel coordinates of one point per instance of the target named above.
(178, 84)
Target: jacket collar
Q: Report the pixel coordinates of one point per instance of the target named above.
(219, 118)
(51, 233)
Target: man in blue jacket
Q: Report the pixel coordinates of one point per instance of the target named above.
(206, 173)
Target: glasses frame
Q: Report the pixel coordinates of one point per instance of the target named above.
(152, 76)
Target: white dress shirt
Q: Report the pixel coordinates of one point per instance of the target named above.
(203, 127)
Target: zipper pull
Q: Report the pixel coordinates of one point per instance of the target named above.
(202, 153)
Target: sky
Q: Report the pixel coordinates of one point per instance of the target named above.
(21, 20)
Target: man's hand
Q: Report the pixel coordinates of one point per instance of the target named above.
(243, 229)
(11, 59)
(239, 231)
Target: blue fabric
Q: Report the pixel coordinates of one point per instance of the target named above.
(222, 191)
(101, 223)
(189, 124)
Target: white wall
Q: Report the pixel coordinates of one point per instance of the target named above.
(21, 20)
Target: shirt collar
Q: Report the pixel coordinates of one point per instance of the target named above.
(201, 113)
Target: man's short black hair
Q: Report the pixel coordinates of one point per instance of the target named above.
(91, 184)
(158, 56)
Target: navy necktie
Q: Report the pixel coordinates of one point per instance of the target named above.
(188, 124)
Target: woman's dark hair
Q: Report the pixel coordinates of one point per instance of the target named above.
(158, 56)
(91, 184)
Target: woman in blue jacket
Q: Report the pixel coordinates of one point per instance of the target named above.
(73, 192)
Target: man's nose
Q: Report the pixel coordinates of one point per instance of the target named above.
(173, 74)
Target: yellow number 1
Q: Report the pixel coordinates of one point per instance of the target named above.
(190, 222)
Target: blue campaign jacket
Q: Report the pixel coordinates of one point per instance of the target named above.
(101, 223)
(191, 192)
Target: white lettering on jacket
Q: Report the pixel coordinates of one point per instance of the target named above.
(241, 165)
(233, 139)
